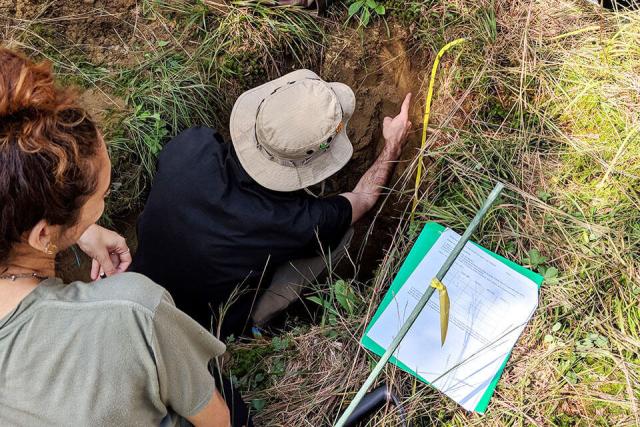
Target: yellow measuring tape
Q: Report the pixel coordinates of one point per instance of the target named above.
(444, 308)
(425, 119)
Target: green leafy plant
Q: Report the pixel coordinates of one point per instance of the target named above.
(364, 10)
(258, 404)
(339, 298)
(550, 275)
(280, 343)
(535, 259)
(591, 341)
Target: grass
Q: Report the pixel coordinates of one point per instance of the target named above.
(554, 118)
(537, 98)
(184, 64)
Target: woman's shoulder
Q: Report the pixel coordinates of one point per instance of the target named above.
(125, 289)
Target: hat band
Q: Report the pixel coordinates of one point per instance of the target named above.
(293, 163)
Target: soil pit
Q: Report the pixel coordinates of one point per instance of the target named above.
(381, 70)
(377, 65)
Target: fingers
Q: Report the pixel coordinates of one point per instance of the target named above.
(120, 246)
(125, 261)
(106, 266)
(95, 269)
(120, 255)
(404, 110)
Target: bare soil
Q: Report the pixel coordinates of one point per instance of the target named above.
(381, 70)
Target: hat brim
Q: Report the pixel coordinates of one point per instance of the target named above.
(273, 175)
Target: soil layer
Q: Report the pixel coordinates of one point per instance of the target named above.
(381, 70)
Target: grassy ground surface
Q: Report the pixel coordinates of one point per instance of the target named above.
(543, 96)
(554, 115)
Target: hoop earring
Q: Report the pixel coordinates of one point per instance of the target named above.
(51, 249)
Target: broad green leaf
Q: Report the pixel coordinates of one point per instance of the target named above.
(340, 289)
(550, 273)
(323, 303)
(355, 7)
(279, 343)
(601, 342)
(535, 259)
(366, 17)
(317, 300)
(544, 196)
(371, 4)
(380, 9)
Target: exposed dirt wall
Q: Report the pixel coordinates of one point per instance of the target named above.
(381, 70)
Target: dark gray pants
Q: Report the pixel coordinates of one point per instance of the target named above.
(292, 278)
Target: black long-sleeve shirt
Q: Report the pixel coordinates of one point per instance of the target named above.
(208, 228)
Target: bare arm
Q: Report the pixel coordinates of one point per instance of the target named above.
(215, 414)
(366, 193)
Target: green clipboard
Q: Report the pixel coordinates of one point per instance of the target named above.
(428, 237)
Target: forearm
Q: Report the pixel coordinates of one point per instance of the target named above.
(366, 193)
(215, 414)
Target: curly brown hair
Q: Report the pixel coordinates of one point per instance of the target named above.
(47, 148)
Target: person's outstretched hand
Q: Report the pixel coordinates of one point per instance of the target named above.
(395, 130)
(108, 250)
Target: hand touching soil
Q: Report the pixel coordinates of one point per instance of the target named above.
(368, 190)
(395, 130)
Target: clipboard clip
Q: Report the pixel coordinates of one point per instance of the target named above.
(444, 308)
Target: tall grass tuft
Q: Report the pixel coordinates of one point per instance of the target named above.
(193, 76)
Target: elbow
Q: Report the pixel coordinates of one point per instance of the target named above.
(221, 419)
(215, 414)
(360, 209)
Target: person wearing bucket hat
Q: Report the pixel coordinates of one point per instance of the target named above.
(228, 228)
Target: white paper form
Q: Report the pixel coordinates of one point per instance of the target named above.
(490, 306)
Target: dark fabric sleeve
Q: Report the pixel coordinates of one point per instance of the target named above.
(182, 350)
(333, 220)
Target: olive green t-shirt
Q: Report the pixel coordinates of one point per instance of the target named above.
(116, 352)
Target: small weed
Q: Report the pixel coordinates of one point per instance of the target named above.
(535, 260)
(340, 298)
(364, 10)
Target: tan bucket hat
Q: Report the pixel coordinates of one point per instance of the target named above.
(291, 132)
